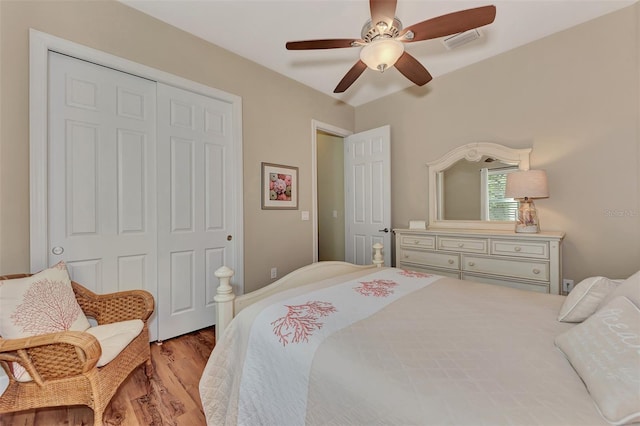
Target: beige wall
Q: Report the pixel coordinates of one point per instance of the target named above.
(277, 114)
(574, 98)
(330, 197)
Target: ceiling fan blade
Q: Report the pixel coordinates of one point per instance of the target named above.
(351, 76)
(413, 70)
(383, 11)
(452, 23)
(322, 44)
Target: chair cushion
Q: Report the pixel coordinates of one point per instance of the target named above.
(40, 304)
(113, 338)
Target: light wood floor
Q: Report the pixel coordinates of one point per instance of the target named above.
(173, 398)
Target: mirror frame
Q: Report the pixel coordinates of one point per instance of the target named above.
(472, 152)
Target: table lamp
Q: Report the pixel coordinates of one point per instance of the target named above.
(525, 185)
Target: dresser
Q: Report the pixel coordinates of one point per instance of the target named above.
(526, 261)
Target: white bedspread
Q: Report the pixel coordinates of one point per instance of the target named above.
(390, 349)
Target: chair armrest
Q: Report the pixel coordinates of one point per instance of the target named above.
(54, 355)
(114, 307)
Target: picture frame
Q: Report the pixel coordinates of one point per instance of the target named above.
(279, 187)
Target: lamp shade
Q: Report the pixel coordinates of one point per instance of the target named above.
(381, 54)
(527, 183)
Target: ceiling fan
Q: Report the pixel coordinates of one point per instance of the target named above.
(383, 40)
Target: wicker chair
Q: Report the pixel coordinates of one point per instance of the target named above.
(63, 365)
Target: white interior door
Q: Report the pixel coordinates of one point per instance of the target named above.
(196, 217)
(367, 194)
(102, 165)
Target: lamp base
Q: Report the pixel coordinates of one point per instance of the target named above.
(527, 229)
(527, 217)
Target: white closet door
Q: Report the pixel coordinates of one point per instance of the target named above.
(195, 206)
(102, 167)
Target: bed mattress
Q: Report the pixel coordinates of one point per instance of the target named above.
(444, 351)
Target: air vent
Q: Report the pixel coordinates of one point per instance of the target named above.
(461, 38)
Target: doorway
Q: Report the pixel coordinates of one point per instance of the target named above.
(329, 138)
(365, 213)
(330, 160)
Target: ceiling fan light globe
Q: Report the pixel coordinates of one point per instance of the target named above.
(381, 54)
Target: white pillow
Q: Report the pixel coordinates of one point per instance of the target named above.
(585, 298)
(605, 352)
(40, 304)
(629, 288)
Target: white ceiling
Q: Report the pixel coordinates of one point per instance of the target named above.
(259, 29)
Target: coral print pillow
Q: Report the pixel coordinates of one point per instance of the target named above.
(40, 304)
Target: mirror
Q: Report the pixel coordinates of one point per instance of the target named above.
(461, 186)
(474, 190)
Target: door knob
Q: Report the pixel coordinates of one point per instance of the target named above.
(57, 250)
(229, 238)
(383, 230)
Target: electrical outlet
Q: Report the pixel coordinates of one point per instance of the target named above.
(567, 285)
(274, 273)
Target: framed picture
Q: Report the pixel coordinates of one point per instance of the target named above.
(279, 187)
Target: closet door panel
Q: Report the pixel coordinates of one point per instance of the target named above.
(195, 201)
(102, 175)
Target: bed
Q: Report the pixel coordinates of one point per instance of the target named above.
(340, 344)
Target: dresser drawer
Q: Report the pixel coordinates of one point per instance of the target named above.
(467, 245)
(539, 250)
(533, 270)
(538, 287)
(428, 258)
(422, 241)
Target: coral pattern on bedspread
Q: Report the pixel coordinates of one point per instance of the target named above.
(377, 288)
(301, 320)
(307, 320)
(414, 274)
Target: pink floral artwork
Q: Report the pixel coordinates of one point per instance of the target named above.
(414, 274)
(376, 288)
(280, 186)
(48, 306)
(301, 321)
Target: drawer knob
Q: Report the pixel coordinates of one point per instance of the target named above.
(472, 264)
(536, 271)
(460, 245)
(517, 248)
(416, 242)
(450, 261)
(406, 256)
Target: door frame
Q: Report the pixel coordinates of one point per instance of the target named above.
(335, 131)
(39, 46)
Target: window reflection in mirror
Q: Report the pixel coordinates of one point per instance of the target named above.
(474, 190)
